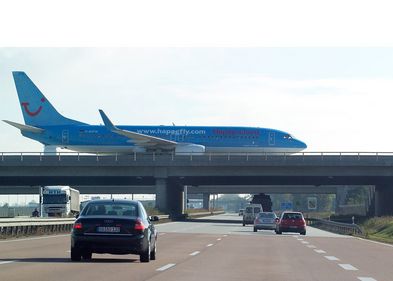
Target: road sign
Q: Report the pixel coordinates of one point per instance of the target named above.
(312, 203)
(286, 206)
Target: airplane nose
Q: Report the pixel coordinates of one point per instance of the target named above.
(301, 144)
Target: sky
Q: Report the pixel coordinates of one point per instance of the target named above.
(321, 70)
(332, 98)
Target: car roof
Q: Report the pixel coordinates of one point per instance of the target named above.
(114, 201)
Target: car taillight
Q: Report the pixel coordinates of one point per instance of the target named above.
(256, 221)
(78, 225)
(139, 225)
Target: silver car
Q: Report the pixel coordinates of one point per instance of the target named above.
(265, 220)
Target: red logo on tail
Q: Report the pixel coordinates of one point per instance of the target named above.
(26, 104)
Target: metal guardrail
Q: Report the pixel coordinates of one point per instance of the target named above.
(45, 226)
(336, 227)
(189, 155)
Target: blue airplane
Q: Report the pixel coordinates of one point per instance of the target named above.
(44, 124)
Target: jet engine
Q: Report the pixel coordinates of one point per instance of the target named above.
(190, 148)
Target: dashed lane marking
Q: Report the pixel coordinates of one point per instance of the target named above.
(305, 242)
(311, 246)
(209, 245)
(194, 253)
(165, 267)
(218, 239)
(366, 279)
(347, 266)
(332, 258)
(320, 251)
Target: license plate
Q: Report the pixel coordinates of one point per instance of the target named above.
(110, 229)
(266, 221)
(293, 226)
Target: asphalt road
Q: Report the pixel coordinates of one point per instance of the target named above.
(207, 250)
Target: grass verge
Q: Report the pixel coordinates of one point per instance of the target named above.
(379, 229)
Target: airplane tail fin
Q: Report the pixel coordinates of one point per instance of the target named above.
(36, 109)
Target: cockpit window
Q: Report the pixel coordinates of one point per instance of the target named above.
(288, 137)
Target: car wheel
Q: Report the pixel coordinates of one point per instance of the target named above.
(255, 229)
(154, 251)
(303, 233)
(87, 255)
(75, 254)
(244, 224)
(145, 255)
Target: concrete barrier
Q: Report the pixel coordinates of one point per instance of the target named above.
(29, 227)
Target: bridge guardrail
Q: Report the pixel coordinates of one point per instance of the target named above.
(152, 156)
(336, 227)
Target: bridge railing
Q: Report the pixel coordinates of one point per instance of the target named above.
(152, 156)
(336, 227)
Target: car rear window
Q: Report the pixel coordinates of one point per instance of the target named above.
(257, 209)
(292, 216)
(249, 210)
(267, 215)
(110, 209)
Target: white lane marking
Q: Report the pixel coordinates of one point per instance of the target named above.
(69, 251)
(35, 238)
(209, 245)
(366, 279)
(320, 251)
(332, 258)
(347, 266)
(6, 262)
(218, 239)
(311, 246)
(195, 253)
(305, 242)
(300, 239)
(165, 267)
(225, 235)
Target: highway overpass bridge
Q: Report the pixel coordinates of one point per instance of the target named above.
(167, 174)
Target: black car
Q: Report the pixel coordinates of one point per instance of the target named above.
(114, 227)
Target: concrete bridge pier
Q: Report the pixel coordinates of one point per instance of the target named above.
(169, 197)
(206, 201)
(383, 200)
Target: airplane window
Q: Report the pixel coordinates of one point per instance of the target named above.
(287, 137)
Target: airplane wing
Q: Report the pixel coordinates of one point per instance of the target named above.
(25, 128)
(137, 138)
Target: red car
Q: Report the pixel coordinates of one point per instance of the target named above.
(291, 222)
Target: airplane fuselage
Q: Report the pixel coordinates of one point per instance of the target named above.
(90, 138)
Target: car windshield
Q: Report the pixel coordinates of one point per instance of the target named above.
(292, 216)
(110, 209)
(267, 215)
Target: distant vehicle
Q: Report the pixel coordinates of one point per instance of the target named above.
(250, 213)
(264, 200)
(114, 227)
(46, 125)
(265, 220)
(291, 222)
(60, 201)
(241, 211)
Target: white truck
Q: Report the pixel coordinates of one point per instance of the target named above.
(60, 201)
